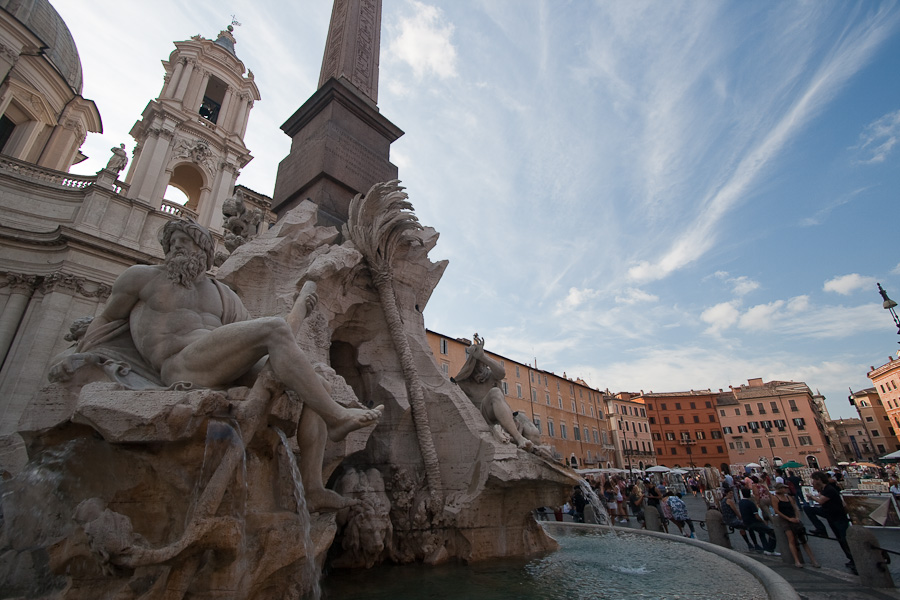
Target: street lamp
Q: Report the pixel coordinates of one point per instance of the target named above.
(687, 443)
(889, 306)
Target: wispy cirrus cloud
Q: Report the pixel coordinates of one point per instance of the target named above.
(879, 138)
(841, 62)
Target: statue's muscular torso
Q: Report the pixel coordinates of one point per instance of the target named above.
(171, 316)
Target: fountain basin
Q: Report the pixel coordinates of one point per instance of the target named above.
(591, 563)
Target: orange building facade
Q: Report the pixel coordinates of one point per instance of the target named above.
(628, 421)
(886, 380)
(685, 429)
(569, 413)
(773, 423)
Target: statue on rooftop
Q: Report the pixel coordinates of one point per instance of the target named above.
(118, 160)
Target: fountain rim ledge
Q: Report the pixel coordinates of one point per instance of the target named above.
(776, 586)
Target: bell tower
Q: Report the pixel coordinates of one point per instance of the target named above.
(191, 137)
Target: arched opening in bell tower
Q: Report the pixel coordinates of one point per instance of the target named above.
(185, 187)
(213, 98)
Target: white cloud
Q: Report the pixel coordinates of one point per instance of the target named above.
(720, 317)
(424, 42)
(634, 296)
(798, 304)
(743, 285)
(879, 137)
(576, 298)
(761, 316)
(896, 270)
(847, 284)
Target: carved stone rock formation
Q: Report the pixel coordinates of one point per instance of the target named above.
(189, 494)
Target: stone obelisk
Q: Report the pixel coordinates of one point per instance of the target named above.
(340, 141)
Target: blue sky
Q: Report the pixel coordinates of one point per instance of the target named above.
(651, 196)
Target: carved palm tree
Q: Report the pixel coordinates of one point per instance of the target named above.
(379, 223)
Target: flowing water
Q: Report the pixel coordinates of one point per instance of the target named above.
(312, 572)
(600, 511)
(589, 564)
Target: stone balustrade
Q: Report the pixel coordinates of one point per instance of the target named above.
(177, 210)
(46, 176)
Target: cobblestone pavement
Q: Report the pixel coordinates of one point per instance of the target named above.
(832, 582)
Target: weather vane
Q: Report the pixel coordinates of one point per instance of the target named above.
(234, 21)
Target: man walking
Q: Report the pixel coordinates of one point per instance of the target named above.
(831, 507)
(750, 517)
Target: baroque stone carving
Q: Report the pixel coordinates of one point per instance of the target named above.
(197, 151)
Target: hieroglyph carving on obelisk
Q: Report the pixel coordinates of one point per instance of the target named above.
(351, 51)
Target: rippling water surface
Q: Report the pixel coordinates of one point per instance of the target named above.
(589, 564)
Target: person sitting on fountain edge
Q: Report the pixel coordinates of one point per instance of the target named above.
(480, 379)
(190, 328)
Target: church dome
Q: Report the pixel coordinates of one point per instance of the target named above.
(44, 22)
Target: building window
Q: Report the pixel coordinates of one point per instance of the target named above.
(869, 419)
(722, 412)
(562, 431)
(737, 412)
(517, 372)
(533, 395)
(875, 433)
(670, 436)
(785, 442)
(666, 420)
(649, 407)
(774, 406)
(701, 435)
(596, 437)
(673, 450)
(653, 420)
(731, 445)
(759, 406)
(574, 408)
(505, 387)
(548, 398)
(696, 418)
(727, 429)
(559, 401)
(577, 433)
(720, 450)
(712, 418)
(804, 440)
(715, 434)
(681, 418)
(586, 438)
(708, 404)
(445, 368)
(793, 405)
(537, 423)
(702, 449)
(550, 430)
(758, 442)
(771, 442)
(748, 410)
(656, 437)
(662, 407)
(693, 405)
(678, 406)
(742, 429)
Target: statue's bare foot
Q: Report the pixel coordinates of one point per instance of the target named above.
(354, 418)
(327, 501)
(525, 444)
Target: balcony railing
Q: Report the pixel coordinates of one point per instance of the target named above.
(177, 210)
(47, 176)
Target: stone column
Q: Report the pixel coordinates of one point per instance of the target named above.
(225, 118)
(198, 99)
(173, 80)
(21, 289)
(185, 78)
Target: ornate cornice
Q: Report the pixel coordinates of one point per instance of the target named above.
(74, 285)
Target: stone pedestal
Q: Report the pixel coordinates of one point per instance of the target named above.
(340, 147)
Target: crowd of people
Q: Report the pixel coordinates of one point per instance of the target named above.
(749, 505)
